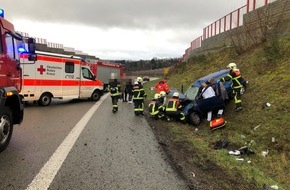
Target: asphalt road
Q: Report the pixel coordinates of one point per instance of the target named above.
(66, 146)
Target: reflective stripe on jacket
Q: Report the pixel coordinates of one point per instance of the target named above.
(173, 104)
(236, 78)
(138, 92)
(114, 91)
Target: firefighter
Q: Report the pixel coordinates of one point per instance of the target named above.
(163, 97)
(237, 82)
(156, 108)
(138, 98)
(174, 108)
(128, 90)
(114, 90)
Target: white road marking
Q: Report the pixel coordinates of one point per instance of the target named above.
(46, 175)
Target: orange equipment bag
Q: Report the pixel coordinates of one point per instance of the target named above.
(217, 123)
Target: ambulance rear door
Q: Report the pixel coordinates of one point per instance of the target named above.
(71, 79)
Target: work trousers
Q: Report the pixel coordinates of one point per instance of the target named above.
(115, 102)
(238, 101)
(138, 106)
(176, 115)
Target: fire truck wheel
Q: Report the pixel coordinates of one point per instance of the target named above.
(96, 96)
(6, 128)
(45, 99)
(194, 119)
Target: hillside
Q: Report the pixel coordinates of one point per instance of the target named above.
(266, 67)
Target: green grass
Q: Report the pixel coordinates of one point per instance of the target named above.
(269, 81)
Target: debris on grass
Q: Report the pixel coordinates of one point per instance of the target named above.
(255, 128)
(219, 144)
(272, 187)
(265, 153)
(245, 151)
(265, 105)
(193, 174)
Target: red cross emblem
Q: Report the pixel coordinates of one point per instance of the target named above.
(41, 69)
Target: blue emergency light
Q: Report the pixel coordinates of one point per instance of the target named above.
(2, 13)
(21, 49)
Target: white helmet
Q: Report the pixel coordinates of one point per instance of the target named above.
(156, 96)
(139, 79)
(162, 93)
(232, 66)
(175, 94)
(136, 82)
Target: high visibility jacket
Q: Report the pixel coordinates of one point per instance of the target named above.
(173, 105)
(138, 92)
(114, 91)
(155, 106)
(236, 78)
(162, 86)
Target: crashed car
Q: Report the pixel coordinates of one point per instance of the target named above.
(146, 78)
(196, 108)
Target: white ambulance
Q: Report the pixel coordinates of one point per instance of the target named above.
(58, 76)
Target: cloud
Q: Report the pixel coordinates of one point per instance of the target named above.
(149, 26)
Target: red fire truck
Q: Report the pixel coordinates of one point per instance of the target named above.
(12, 46)
(105, 71)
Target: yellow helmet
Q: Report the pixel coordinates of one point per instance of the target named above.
(162, 93)
(156, 96)
(139, 79)
(232, 66)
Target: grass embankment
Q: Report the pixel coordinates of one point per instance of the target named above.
(255, 126)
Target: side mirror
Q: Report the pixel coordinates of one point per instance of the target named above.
(32, 57)
(31, 45)
(31, 49)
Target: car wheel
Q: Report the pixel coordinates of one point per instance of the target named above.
(45, 99)
(195, 119)
(6, 128)
(96, 96)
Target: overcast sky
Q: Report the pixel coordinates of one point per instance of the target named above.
(118, 29)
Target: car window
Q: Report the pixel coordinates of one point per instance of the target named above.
(191, 92)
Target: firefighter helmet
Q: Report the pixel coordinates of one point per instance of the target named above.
(162, 93)
(156, 96)
(232, 66)
(175, 94)
(136, 82)
(139, 79)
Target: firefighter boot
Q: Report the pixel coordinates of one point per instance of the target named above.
(239, 107)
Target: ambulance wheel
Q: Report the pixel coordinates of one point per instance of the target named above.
(45, 99)
(6, 128)
(96, 96)
(194, 119)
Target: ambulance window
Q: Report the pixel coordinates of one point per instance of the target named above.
(87, 74)
(9, 46)
(69, 67)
